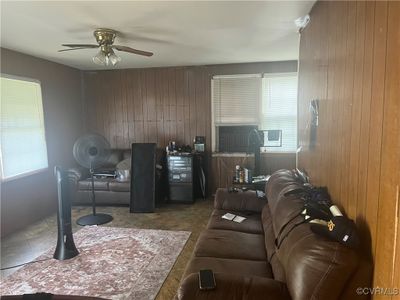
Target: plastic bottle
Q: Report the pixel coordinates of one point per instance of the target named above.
(237, 173)
(241, 177)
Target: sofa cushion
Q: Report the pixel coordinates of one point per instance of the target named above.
(233, 287)
(278, 184)
(116, 186)
(230, 244)
(269, 236)
(239, 201)
(230, 266)
(124, 164)
(287, 212)
(100, 184)
(252, 224)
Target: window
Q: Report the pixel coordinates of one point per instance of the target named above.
(279, 108)
(236, 102)
(236, 99)
(23, 144)
(241, 102)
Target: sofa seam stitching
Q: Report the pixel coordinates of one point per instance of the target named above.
(330, 267)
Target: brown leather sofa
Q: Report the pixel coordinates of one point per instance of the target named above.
(108, 190)
(248, 264)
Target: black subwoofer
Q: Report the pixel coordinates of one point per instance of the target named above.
(143, 177)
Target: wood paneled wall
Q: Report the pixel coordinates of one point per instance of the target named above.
(349, 60)
(159, 104)
(148, 105)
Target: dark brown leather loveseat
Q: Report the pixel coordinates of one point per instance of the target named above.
(248, 264)
(108, 190)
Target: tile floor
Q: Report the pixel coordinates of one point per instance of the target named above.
(25, 245)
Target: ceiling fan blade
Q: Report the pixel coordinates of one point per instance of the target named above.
(80, 45)
(63, 50)
(131, 50)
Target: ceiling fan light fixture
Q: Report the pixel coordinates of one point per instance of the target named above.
(113, 58)
(100, 58)
(105, 41)
(103, 58)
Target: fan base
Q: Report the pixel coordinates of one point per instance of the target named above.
(96, 219)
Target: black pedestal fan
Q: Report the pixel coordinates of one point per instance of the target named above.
(91, 151)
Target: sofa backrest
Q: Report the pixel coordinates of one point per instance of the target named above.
(312, 266)
(114, 158)
(118, 155)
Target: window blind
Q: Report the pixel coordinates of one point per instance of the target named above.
(279, 108)
(23, 144)
(236, 99)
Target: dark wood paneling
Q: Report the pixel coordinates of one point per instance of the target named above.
(349, 60)
(147, 105)
(159, 104)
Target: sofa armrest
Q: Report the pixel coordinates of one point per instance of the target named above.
(239, 201)
(77, 173)
(232, 286)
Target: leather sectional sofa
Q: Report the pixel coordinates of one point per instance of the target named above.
(248, 264)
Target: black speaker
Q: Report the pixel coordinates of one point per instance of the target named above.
(66, 248)
(143, 177)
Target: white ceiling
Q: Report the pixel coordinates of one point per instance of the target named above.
(180, 33)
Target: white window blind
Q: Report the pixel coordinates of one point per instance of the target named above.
(23, 144)
(279, 108)
(236, 99)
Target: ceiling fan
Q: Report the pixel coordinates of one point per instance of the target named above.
(105, 40)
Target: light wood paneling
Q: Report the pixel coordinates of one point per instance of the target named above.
(349, 60)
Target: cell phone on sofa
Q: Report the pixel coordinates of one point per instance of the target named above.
(206, 280)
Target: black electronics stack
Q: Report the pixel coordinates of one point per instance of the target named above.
(180, 177)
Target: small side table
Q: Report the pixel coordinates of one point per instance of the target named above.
(260, 185)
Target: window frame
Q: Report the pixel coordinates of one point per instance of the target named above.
(33, 172)
(214, 133)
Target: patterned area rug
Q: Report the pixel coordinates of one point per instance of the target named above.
(114, 263)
